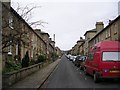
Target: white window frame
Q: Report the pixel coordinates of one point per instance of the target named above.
(115, 28)
(17, 48)
(10, 48)
(11, 22)
(109, 32)
(106, 34)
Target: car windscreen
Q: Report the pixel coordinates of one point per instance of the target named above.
(111, 56)
(82, 58)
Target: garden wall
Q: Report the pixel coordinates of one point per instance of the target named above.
(9, 79)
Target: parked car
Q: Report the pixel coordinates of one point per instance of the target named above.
(84, 58)
(77, 61)
(72, 58)
(104, 60)
(68, 56)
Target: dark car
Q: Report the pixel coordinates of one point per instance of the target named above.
(84, 58)
(77, 61)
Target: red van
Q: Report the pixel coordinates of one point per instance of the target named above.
(104, 60)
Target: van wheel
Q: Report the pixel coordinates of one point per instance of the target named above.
(96, 78)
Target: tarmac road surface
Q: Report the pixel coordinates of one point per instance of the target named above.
(66, 75)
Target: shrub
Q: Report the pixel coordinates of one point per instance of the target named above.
(32, 62)
(25, 60)
(54, 56)
(41, 58)
(10, 66)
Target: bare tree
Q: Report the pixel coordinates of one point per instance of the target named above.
(26, 14)
(13, 32)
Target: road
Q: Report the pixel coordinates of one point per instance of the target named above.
(66, 75)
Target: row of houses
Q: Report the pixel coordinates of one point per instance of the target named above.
(99, 33)
(18, 37)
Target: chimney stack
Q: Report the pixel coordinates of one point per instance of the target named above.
(110, 21)
(81, 38)
(99, 26)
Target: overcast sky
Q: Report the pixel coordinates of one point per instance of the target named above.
(70, 19)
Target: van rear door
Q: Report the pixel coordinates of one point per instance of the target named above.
(110, 64)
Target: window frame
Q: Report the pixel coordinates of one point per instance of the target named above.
(10, 21)
(115, 29)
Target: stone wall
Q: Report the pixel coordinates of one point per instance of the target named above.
(9, 79)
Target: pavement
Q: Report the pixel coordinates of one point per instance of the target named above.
(37, 79)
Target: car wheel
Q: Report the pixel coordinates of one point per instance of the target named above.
(96, 78)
